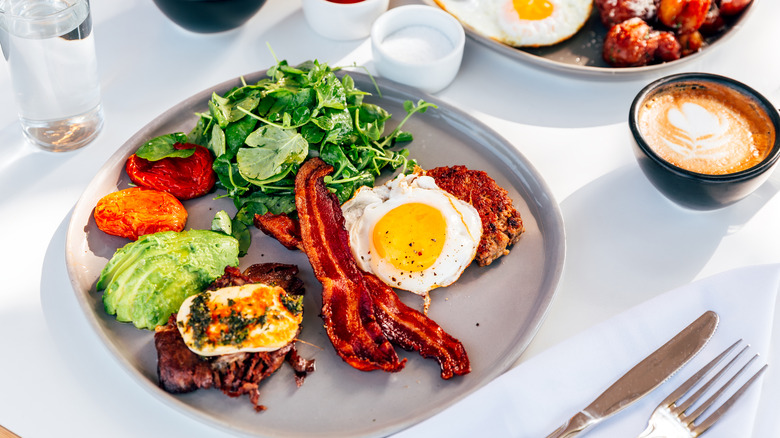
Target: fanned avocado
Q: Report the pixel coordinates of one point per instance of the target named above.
(147, 280)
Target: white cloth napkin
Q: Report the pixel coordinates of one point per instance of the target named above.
(534, 398)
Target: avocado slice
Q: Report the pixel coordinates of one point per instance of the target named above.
(147, 280)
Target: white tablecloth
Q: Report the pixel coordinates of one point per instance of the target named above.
(626, 243)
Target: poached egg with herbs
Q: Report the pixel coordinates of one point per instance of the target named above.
(521, 23)
(411, 234)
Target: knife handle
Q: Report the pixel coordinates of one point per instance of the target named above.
(574, 426)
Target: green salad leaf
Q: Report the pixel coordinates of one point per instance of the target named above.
(261, 133)
(162, 147)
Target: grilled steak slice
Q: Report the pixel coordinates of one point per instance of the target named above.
(501, 223)
(180, 370)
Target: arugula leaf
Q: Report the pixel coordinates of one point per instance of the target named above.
(217, 142)
(236, 134)
(272, 152)
(261, 133)
(162, 147)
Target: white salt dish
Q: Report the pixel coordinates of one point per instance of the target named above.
(343, 21)
(417, 45)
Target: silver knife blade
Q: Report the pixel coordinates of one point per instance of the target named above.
(645, 376)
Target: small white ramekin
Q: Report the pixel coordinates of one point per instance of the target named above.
(430, 74)
(343, 21)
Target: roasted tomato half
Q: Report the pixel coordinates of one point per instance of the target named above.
(137, 211)
(184, 178)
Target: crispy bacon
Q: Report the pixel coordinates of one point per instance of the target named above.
(401, 325)
(280, 226)
(413, 331)
(347, 308)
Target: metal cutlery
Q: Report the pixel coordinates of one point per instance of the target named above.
(671, 420)
(644, 377)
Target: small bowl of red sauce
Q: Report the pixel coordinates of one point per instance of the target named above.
(343, 19)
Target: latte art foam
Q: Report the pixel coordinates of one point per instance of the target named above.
(708, 129)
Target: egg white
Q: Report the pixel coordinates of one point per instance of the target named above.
(463, 229)
(497, 19)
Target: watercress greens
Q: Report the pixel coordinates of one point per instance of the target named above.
(261, 133)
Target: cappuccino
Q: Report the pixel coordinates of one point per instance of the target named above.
(706, 127)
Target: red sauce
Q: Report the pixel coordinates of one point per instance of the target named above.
(345, 1)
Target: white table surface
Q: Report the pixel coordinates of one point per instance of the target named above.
(625, 242)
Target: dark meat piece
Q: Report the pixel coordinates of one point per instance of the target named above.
(180, 370)
(613, 12)
(347, 309)
(669, 48)
(280, 226)
(733, 7)
(241, 373)
(413, 331)
(501, 223)
(231, 277)
(276, 274)
(300, 365)
(273, 274)
(713, 21)
(631, 43)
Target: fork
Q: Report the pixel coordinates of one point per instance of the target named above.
(670, 420)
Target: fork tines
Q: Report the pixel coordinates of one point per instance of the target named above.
(679, 407)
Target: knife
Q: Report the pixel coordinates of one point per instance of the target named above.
(647, 375)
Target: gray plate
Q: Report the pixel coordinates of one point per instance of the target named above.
(495, 311)
(581, 54)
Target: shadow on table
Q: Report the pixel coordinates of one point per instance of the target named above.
(517, 92)
(19, 159)
(627, 243)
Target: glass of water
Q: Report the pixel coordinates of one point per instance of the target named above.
(51, 53)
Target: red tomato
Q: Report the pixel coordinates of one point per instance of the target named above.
(184, 178)
(137, 211)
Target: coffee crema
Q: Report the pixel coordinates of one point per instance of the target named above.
(706, 127)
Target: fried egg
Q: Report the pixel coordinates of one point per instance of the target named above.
(250, 318)
(411, 234)
(521, 23)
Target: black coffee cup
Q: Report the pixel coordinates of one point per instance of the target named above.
(692, 189)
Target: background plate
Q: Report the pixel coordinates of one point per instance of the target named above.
(581, 54)
(495, 311)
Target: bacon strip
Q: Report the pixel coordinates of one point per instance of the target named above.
(413, 331)
(280, 226)
(347, 308)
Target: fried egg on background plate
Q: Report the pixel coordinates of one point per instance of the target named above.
(521, 23)
(411, 234)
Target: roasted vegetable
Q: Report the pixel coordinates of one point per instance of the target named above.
(157, 166)
(137, 211)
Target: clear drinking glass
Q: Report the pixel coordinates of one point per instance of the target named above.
(51, 53)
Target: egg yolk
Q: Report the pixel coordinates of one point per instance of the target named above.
(533, 9)
(410, 236)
